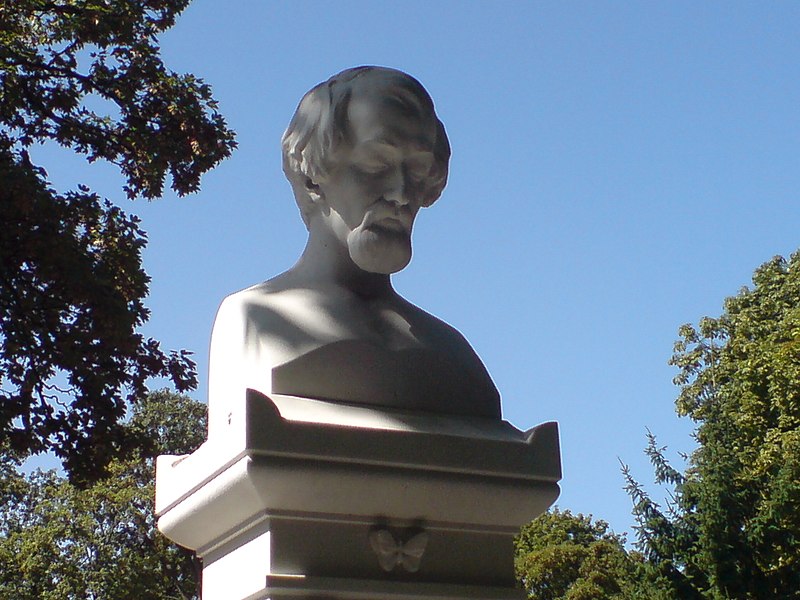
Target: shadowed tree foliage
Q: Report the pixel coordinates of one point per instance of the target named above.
(87, 75)
(561, 556)
(62, 542)
(733, 528)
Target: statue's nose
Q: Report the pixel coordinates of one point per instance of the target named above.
(397, 191)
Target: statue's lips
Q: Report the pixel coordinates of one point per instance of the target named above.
(389, 218)
(390, 224)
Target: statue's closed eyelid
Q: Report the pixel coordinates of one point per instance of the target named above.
(419, 168)
(375, 167)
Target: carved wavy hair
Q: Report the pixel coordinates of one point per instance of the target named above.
(319, 126)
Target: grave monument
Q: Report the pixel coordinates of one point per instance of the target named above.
(355, 444)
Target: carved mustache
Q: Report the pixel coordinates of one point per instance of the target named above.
(383, 212)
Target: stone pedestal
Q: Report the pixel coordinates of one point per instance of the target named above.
(323, 500)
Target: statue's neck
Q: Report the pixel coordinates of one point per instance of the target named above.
(326, 262)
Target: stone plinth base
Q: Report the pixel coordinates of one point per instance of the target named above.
(332, 501)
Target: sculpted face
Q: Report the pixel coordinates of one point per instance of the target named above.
(374, 187)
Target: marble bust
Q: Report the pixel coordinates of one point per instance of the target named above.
(364, 153)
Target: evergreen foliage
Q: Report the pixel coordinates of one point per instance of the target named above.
(733, 528)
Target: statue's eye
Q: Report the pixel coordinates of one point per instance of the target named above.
(418, 174)
(371, 167)
(418, 166)
(418, 169)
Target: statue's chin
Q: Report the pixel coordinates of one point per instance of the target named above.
(379, 250)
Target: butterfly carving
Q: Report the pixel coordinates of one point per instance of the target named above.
(392, 552)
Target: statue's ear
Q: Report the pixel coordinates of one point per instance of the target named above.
(314, 191)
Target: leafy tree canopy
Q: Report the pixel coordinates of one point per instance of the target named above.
(733, 529)
(72, 286)
(561, 556)
(61, 542)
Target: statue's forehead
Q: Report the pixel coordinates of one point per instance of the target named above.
(383, 118)
(390, 146)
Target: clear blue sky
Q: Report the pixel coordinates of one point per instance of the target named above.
(618, 169)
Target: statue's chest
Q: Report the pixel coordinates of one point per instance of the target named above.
(357, 371)
(369, 353)
(380, 324)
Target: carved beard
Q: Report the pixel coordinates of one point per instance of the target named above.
(378, 249)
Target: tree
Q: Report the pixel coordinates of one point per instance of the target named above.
(72, 286)
(61, 542)
(561, 556)
(733, 528)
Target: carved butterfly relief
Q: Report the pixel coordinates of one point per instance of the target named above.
(392, 552)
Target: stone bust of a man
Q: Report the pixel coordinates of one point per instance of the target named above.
(364, 153)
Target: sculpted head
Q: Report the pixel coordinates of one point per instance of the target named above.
(364, 152)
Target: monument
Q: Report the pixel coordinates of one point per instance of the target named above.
(356, 447)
